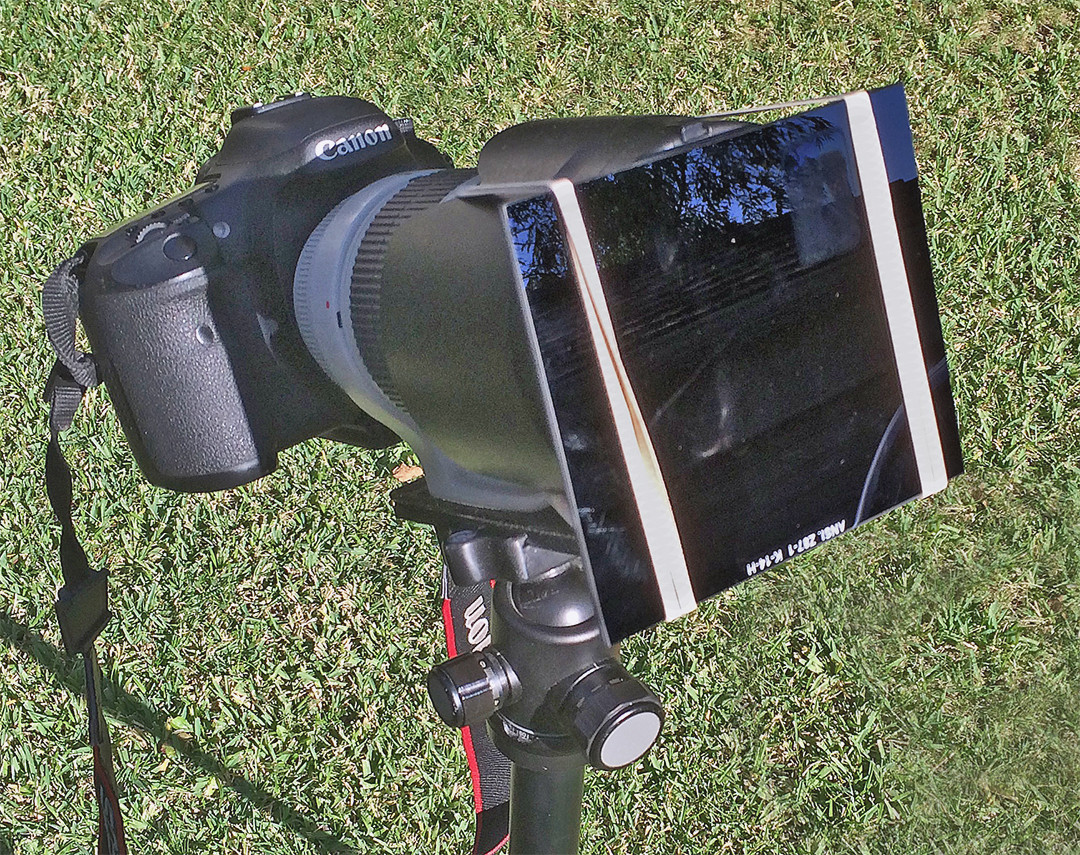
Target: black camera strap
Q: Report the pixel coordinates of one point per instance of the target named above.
(82, 606)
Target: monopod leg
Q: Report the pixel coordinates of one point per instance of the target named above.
(545, 811)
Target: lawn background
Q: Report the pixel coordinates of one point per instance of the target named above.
(914, 687)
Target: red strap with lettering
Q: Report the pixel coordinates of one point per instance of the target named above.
(467, 622)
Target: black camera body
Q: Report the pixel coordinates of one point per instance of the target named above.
(171, 294)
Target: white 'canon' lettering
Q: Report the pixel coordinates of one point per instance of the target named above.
(329, 149)
(477, 628)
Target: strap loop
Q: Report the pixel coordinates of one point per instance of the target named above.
(82, 608)
(60, 306)
(488, 767)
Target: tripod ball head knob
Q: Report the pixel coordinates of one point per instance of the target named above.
(614, 717)
(466, 690)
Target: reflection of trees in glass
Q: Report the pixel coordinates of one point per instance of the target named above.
(647, 214)
(664, 234)
(538, 240)
(651, 213)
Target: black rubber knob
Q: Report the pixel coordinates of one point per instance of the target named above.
(180, 247)
(613, 716)
(466, 690)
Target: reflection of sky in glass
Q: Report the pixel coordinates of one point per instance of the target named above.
(537, 237)
(731, 182)
(743, 181)
(688, 202)
(740, 181)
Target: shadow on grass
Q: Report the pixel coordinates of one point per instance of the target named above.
(124, 706)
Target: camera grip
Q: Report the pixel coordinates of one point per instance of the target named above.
(173, 385)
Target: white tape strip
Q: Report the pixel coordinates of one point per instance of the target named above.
(646, 481)
(896, 290)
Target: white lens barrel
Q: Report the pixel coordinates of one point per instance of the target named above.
(323, 294)
(321, 297)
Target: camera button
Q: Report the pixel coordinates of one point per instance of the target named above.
(179, 247)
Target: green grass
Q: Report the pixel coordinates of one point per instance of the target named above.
(909, 688)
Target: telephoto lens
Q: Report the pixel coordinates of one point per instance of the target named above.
(408, 295)
(405, 296)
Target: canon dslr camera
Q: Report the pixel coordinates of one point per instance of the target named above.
(189, 306)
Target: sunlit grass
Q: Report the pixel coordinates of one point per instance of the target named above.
(909, 688)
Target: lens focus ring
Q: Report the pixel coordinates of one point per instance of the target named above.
(419, 195)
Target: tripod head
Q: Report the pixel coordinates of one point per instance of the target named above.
(549, 686)
(538, 673)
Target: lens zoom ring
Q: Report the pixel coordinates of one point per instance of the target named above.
(418, 195)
